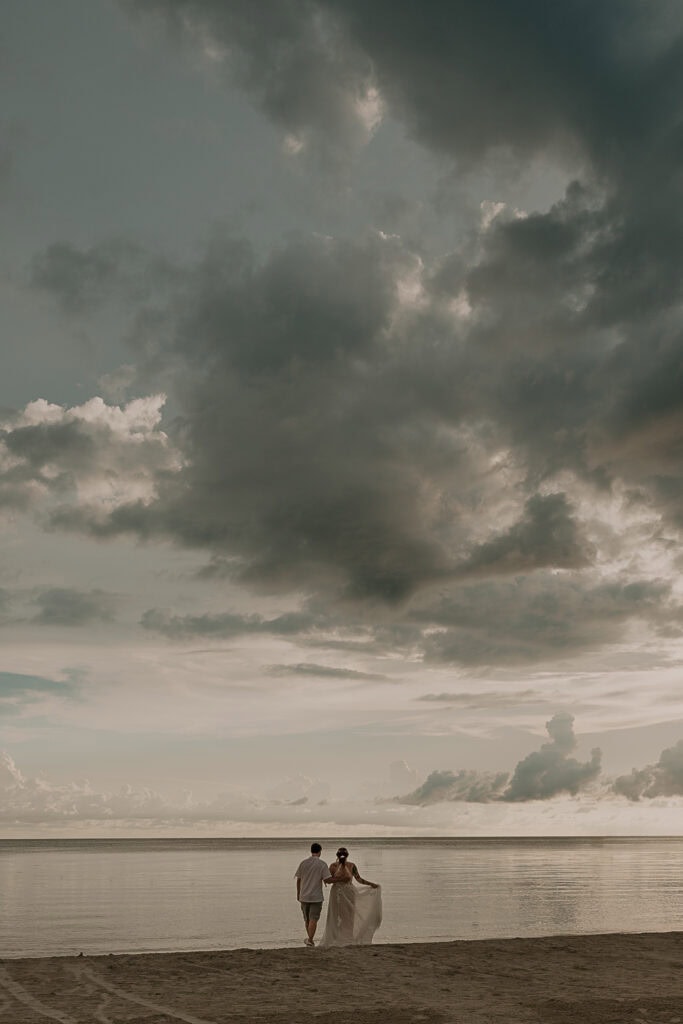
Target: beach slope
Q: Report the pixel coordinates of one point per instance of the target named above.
(592, 979)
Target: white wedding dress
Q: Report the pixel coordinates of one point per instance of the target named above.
(354, 913)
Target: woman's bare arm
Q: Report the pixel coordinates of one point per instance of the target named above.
(362, 881)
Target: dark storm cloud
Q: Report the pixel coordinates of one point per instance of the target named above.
(662, 779)
(463, 78)
(332, 444)
(579, 307)
(470, 78)
(301, 460)
(546, 535)
(541, 775)
(571, 305)
(522, 621)
(65, 606)
(290, 58)
(532, 617)
(314, 437)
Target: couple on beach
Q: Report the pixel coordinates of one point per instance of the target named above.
(353, 914)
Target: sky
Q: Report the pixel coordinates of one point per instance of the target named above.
(341, 418)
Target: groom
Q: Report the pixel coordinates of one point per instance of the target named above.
(310, 876)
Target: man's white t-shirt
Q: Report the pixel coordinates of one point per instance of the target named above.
(311, 872)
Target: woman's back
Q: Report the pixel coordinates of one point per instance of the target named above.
(342, 872)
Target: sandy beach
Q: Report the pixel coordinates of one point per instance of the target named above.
(594, 979)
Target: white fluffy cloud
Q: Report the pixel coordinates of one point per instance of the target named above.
(90, 458)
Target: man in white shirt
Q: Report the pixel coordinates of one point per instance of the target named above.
(310, 876)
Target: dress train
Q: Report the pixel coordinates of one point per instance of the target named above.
(354, 913)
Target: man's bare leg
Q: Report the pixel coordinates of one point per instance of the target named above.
(310, 931)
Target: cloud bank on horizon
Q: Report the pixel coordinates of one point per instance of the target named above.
(543, 775)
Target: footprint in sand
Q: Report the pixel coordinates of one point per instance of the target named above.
(83, 973)
(24, 996)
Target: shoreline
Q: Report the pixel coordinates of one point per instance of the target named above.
(293, 947)
(593, 979)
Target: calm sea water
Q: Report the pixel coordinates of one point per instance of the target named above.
(100, 896)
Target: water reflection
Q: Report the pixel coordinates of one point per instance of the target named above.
(61, 898)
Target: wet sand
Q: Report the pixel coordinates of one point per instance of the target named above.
(592, 979)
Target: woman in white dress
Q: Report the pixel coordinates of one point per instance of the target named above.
(353, 913)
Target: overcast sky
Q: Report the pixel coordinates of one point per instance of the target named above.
(341, 417)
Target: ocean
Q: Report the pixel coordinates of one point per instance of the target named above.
(63, 897)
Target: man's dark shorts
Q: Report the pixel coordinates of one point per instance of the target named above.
(311, 911)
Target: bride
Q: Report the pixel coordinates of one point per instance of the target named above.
(353, 914)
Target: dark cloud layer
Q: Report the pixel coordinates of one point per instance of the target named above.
(546, 535)
(525, 76)
(406, 435)
(541, 775)
(573, 303)
(536, 617)
(465, 79)
(299, 459)
(532, 617)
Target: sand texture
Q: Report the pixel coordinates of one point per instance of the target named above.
(592, 979)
